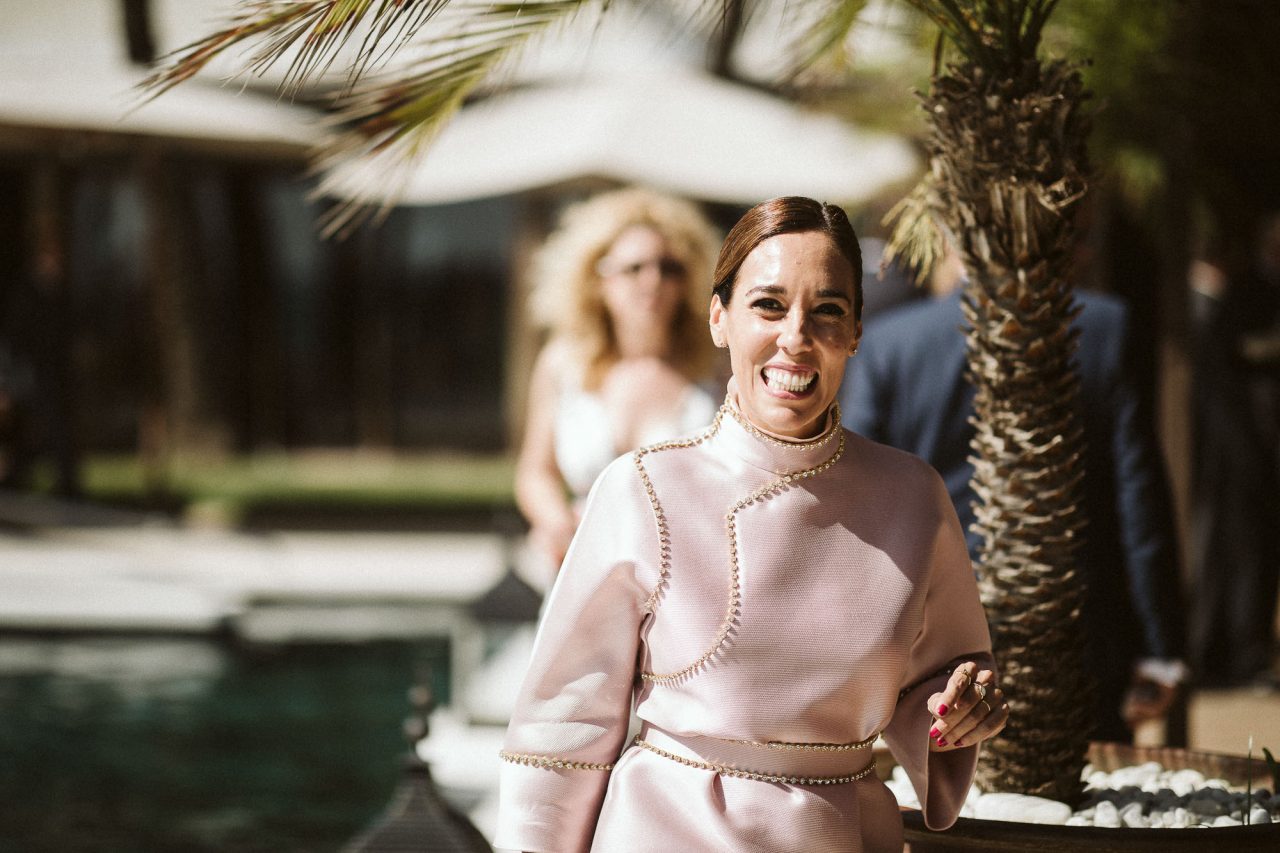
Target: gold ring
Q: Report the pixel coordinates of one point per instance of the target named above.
(984, 704)
(981, 689)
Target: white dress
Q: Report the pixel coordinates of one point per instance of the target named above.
(585, 438)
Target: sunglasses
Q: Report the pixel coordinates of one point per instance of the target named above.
(667, 268)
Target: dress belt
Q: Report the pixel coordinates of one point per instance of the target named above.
(787, 763)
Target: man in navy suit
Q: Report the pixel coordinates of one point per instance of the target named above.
(906, 387)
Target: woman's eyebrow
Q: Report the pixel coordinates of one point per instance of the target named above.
(771, 289)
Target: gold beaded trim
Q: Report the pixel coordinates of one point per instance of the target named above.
(664, 534)
(786, 445)
(731, 523)
(550, 761)
(725, 770)
(806, 747)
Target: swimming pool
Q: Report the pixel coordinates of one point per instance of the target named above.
(196, 744)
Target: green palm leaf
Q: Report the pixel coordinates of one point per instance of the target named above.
(832, 21)
(390, 120)
(990, 33)
(386, 116)
(321, 28)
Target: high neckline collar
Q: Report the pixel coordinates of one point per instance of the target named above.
(775, 453)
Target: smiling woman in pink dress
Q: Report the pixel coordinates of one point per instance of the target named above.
(769, 595)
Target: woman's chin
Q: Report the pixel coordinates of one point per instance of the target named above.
(784, 417)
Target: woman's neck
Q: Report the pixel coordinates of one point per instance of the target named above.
(636, 343)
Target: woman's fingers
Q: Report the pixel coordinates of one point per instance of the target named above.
(948, 705)
(944, 703)
(992, 723)
(970, 709)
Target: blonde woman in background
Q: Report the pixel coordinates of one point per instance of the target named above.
(622, 285)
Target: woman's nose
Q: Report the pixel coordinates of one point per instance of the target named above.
(795, 332)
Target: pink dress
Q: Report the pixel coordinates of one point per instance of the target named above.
(769, 607)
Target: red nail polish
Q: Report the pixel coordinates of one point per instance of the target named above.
(942, 741)
(934, 732)
(942, 710)
(959, 741)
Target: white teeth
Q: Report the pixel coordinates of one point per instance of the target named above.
(785, 380)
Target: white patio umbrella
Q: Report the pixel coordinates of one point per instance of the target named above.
(98, 98)
(679, 130)
(63, 68)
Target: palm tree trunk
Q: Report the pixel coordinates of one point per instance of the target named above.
(1008, 154)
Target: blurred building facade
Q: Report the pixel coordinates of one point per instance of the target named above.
(165, 284)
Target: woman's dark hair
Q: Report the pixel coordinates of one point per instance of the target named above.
(786, 215)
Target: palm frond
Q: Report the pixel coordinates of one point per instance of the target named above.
(918, 240)
(384, 118)
(320, 28)
(705, 16)
(832, 21)
(990, 33)
(388, 121)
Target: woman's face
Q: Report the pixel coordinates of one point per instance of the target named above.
(641, 283)
(790, 329)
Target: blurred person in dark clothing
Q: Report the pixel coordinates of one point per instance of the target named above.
(907, 388)
(1235, 552)
(884, 286)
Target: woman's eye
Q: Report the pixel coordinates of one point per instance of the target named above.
(769, 305)
(831, 309)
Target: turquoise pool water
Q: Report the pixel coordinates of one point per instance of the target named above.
(159, 744)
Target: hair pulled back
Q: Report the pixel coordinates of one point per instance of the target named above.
(786, 215)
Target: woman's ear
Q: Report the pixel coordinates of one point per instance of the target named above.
(715, 320)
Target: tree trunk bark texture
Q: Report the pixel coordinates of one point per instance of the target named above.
(1008, 154)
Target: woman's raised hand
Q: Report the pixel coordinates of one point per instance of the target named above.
(970, 709)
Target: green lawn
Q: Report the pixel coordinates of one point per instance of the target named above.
(331, 480)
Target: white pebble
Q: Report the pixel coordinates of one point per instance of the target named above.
(1106, 815)
(1078, 820)
(1224, 820)
(1136, 775)
(1097, 779)
(1259, 815)
(1022, 809)
(1181, 818)
(1131, 815)
(1183, 782)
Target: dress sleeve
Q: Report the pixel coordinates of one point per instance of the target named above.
(953, 630)
(571, 716)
